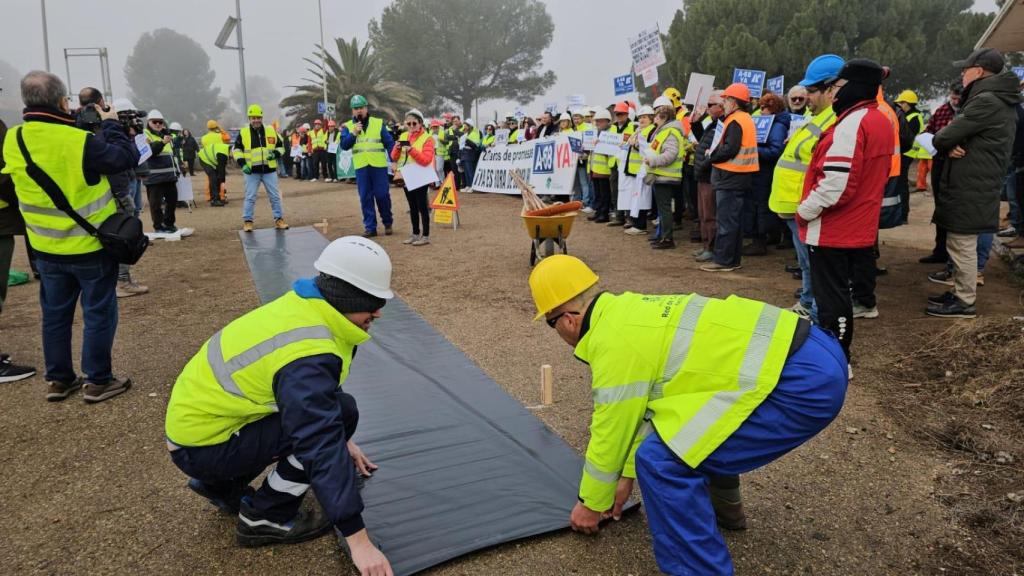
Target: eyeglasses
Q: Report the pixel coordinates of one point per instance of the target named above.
(553, 321)
(157, 121)
(412, 124)
(710, 104)
(797, 99)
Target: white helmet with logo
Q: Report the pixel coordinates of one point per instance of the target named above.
(359, 261)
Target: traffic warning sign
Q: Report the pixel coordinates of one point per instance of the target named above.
(447, 196)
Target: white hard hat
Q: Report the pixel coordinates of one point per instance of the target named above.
(306, 125)
(469, 121)
(123, 104)
(175, 126)
(662, 101)
(645, 110)
(415, 112)
(154, 115)
(359, 261)
(565, 116)
(603, 114)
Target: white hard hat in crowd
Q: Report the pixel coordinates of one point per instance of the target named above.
(123, 104)
(589, 111)
(645, 110)
(155, 115)
(565, 117)
(469, 121)
(175, 126)
(359, 261)
(662, 101)
(415, 112)
(306, 125)
(603, 114)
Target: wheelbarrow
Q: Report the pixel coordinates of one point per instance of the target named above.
(548, 233)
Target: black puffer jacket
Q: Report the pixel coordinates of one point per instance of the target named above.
(968, 198)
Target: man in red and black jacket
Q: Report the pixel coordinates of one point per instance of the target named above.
(842, 197)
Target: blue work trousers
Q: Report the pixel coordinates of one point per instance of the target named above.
(252, 186)
(93, 279)
(374, 188)
(807, 398)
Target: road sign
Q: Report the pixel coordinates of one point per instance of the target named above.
(447, 197)
(321, 107)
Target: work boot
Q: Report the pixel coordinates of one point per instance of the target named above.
(99, 392)
(129, 289)
(664, 245)
(369, 233)
(388, 231)
(230, 504)
(729, 514)
(247, 226)
(280, 224)
(57, 391)
(252, 530)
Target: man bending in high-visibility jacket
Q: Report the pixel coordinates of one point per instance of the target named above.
(266, 389)
(726, 385)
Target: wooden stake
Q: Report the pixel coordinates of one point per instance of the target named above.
(547, 385)
(322, 226)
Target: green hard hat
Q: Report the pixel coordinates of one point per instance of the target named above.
(357, 101)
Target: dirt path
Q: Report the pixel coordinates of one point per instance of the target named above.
(90, 489)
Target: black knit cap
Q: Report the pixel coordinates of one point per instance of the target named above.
(863, 71)
(346, 297)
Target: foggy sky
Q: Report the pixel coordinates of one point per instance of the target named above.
(588, 48)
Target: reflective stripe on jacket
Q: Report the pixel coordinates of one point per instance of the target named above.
(691, 368)
(369, 148)
(745, 161)
(788, 180)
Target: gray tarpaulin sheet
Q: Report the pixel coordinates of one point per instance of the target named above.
(463, 466)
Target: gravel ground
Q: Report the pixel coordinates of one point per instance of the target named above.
(91, 490)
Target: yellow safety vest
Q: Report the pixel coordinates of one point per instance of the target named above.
(633, 158)
(488, 140)
(626, 132)
(213, 144)
(59, 150)
(403, 154)
(601, 164)
(440, 146)
(917, 151)
(788, 178)
(319, 138)
(691, 368)
(161, 166)
(675, 169)
(259, 156)
(230, 381)
(369, 148)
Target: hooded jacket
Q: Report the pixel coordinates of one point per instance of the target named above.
(968, 196)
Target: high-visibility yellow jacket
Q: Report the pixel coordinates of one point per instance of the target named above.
(917, 151)
(212, 145)
(230, 382)
(788, 178)
(260, 155)
(59, 150)
(369, 148)
(675, 169)
(689, 367)
(633, 158)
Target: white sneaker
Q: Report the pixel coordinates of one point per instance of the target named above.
(186, 232)
(635, 231)
(411, 239)
(800, 310)
(421, 241)
(587, 210)
(865, 312)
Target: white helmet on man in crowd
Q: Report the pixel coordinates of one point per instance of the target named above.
(470, 122)
(603, 114)
(175, 126)
(662, 101)
(123, 104)
(359, 261)
(154, 115)
(645, 110)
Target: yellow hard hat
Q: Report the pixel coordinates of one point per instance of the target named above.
(255, 111)
(673, 95)
(211, 124)
(907, 96)
(558, 279)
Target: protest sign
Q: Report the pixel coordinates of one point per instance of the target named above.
(754, 79)
(576, 100)
(776, 85)
(551, 107)
(650, 76)
(589, 138)
(717, 138)
(576, 144)
(624, 84)
(417, 176)
(501, 137)
(142, 145)
(699, 90)
(346, 168)
(608, 143)
(549, 165)
(763, 125)
(1019, 71)
(646, 50)
(796, 123)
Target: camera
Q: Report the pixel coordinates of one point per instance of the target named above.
(132, 120)
(88, 117)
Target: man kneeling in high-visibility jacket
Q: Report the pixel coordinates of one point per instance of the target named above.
(267, 388)
(726, 385)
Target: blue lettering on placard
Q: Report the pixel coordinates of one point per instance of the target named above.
(544, 158)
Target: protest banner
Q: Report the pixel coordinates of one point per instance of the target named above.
(763, 125)
(624, 84)
(549, 165)
(646, 50)
(346, 168)
(699, 90)
(776, 85)
(650, 76)
(754, 79)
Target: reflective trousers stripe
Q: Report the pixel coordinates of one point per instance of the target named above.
(890, 201)
(85, 211)
(802, 168)
(600, 475)
(161, 170)
(224, 370)
(275, 481)
(721, 402)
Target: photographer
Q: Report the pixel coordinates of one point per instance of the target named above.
(161, 184)
(88, 119)
(71, 262)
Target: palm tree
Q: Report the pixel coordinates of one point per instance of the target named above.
(355, 71)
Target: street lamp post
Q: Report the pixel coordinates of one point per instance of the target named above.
(323, 65)
(46, 37)
(241, 55)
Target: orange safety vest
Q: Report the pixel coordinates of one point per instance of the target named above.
(884, 108)
(746, 159)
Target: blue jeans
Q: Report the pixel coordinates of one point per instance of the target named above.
(374, 187)
(1016, 217)
(802, 258)
(252, 186)
(729, 236)
(585, 191)
(808, 396)
(135, 191)
(94, 279)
